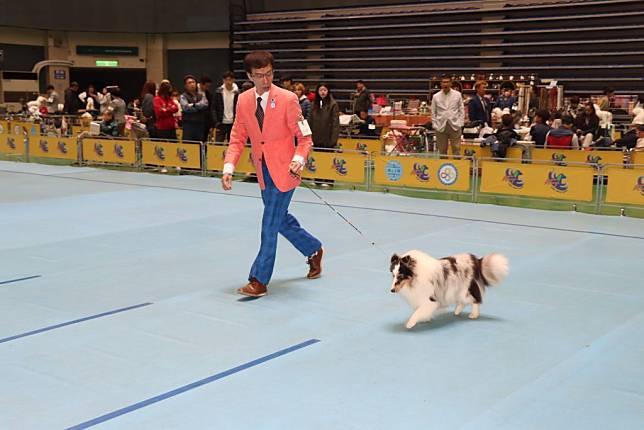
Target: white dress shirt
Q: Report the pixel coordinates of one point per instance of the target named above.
(447, 109)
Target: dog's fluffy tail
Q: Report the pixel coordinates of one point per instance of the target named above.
(494, 267)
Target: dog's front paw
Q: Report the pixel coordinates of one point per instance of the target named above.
(458, 310)
(474, 315)
(410, 324)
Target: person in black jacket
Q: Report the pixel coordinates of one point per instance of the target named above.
(224, 106)
(479, 108)
(204, 86)
(194, 109)
(72, 102)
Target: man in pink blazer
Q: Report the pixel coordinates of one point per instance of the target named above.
(271, 117)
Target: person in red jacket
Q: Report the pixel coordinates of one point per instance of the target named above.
(164, 110)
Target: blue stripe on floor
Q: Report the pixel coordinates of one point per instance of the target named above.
(53, 327)
(19, 279)
(191, 386)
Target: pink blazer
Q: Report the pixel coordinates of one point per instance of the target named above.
(275, 143)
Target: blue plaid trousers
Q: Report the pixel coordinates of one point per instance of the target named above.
(276, 219)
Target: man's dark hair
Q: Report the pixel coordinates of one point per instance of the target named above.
(567, 119)
(446, 76)
(228, 74)
(258, 60)
(50, 87)
(507, 120)
(543, 114)
(205, 79)
(185, 78)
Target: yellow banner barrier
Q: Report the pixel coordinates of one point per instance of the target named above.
(4, 127)
(161, 153)
(422, 172)
(625, 185)
(339, 166)
(215, 155)
(78, 129)
(562, 156)
(357, 144)
(109, 151)
(537, 180)
(477, 151)
(637, 157)
(53, 147)
(11, 145)
(16, 128)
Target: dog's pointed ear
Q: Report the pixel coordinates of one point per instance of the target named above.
(394, 260)
(406, 260)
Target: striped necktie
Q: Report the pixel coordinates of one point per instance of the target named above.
(259, 113)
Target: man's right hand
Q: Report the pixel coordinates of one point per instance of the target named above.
(227, 182)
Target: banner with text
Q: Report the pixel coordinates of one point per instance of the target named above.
(422, 172)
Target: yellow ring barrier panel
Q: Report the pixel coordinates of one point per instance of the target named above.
(116, 151)
(422, 172)
(53, 147)
(625, 185)
(537, 180)
(161, 153)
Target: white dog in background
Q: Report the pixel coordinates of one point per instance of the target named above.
(428, 284)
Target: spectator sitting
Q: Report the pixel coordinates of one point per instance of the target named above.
(587, 125)
(563, 137)
(505, 137)
(134, 107)
(540, 129)
(605, 101)
(109, 126)
(367, 126)
(305, 104)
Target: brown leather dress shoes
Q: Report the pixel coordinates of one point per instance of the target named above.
(315, 264)
(254, 288)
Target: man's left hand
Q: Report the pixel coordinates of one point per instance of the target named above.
(295, 168)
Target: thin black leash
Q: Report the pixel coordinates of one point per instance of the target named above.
(371, 242)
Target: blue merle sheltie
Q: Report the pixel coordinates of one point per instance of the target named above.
(428, 284)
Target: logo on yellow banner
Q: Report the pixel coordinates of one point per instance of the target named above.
(11, 143)
(447, 174)
(44, 146)
(421, 171)
(393, 170)
(310, 165)
(559, 158)
(557, 181)
(339, 166)
(98, 149)
(513, 178)
(639, 186)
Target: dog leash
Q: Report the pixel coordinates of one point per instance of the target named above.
(371, 242)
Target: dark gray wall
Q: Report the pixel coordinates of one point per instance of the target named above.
(140, 16)
(197, 62)
(21, 57)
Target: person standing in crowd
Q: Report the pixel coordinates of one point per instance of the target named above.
(72, 102)
(147, 107)
(53, 100)
(164, 110)
(305, 104)
(324, 118)
(478, 108)
(194, 108)
(587, 124)
(204, 86)
(270, 116)
(540, 128)
(505, 100)
(361, 98)
(90, 100)
(287, 83)
(225, 104)
(605, 101)
(448, 117)
(134, 107)
(117, 104)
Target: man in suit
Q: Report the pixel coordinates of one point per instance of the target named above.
(478, 109)
(271, 117)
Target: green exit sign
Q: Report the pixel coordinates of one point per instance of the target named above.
(107, 63)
